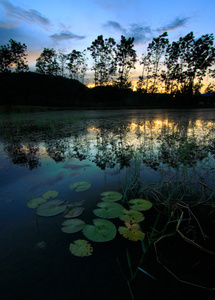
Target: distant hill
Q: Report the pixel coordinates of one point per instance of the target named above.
(32, 89)
(29, 88)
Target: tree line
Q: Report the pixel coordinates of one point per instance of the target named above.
(174, 68)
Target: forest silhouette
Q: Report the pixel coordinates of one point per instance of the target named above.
(172, 74)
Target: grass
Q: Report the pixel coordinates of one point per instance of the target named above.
(21, 123)
(183, 209)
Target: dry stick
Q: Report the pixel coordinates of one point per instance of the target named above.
(189, 241)
(190, 212)
(205, 185)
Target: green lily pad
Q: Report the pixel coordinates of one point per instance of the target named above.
(73, 212)
(132, 216)
(140, 204)
(76, 204)
(72, 226)
(35, 202)
(81, 248)
(101, 231)
(132, 233)
(111, 196)
(80, 186)
(108, 210)
(50, 208)
(50, 194)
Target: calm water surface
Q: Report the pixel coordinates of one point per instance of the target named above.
(112, 150)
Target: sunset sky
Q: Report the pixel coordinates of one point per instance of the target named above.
(69, 24)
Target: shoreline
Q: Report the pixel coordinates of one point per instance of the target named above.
(25, 108)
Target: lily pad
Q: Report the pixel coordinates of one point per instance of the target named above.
(132, 216)
(76, 204)
(108, 210)
(50, 208)
(72, 226)
(81, 248)
(101, 231)
(140, 204)
(73, 212)
(35, 202)
(50, 194)
(111, 196)
(80, 186)
(132, 233)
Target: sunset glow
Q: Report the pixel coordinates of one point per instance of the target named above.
(74, 25)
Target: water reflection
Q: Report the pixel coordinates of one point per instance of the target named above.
(24, 155)
(110, 142)
(161, 157)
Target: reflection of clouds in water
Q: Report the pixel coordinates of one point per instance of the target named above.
(47, 181)
(75, 167)
(73, 174)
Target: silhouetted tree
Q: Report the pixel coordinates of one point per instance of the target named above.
(62, 57)
(47, 63)
(103, 54)
(13, 55)
(187, 61)
(126, 58)
(210, 89)
(156, 49)
(143, 82)
(77, 65)
(199, 58)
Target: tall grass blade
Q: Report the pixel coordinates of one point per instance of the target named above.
(129, 263)
(147, 273)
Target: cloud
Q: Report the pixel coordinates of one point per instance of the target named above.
(114, 25)
(178, 22)
(66, 35)
(115, 4)
(141, 34)
(8, 24)
(29, 16)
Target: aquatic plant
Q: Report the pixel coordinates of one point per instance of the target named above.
(71, 212)
(111, 196)
(140, 204)
(81, 248)
(102, 231)
(131, 216)
(72, 226)
(80, 186)
(50, 194)
(108, 210)
(51, 208)
(132, 232)
(35, 202)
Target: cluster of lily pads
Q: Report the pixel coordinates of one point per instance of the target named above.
(102, 230)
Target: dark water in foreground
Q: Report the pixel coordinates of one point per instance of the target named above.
(160, 155)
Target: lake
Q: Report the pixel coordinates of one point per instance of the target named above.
(166, 157)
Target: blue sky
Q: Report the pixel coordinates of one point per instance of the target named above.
(74, 24)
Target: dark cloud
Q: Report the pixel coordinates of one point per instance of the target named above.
(114, 25)
(141, 34)
(66, 35)
(178, 22)
(29, 16)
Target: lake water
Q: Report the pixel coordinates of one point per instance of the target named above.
(159, 155)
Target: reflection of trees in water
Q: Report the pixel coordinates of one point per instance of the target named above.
(113, 142)
(27, 156)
